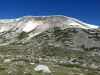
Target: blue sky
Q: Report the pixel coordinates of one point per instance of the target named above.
(85, 10)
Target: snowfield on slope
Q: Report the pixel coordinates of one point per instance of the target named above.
(91, 26)
(77, 25)
(30, 26)
(3, 29)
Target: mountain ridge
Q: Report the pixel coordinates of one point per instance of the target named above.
(68, 21)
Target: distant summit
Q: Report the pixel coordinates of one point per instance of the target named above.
(24, 30)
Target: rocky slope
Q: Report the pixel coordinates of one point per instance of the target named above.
(67, 45)
(55, 30)
(22, 30)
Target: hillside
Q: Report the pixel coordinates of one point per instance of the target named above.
(66, 45)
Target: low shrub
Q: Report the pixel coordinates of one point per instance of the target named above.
(70, 65)
(2, 68)
(21, 59)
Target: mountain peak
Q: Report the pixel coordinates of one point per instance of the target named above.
(44, 22)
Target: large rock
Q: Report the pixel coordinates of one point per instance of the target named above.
(42, 68)
(7, 60)
(1, 56)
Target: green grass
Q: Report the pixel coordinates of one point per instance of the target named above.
(2, 68)
(44, 52)
(70, 65)
(22, 35)
(21, 59)
(36, 61)
(28, 74)
(20, 66)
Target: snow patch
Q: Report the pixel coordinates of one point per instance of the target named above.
(91, 26)
(32, 35)
(18, 19)
(3, 29)
(42, 68)
(30, 26)
(77, 25)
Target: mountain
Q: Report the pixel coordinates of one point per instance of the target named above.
(35, 25)
(59, 39)
(55, 30)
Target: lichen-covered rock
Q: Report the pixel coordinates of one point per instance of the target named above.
(42, 68)
(1, 56)
(7, 60)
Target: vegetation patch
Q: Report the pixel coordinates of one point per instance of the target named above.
(22, 35)
(2, 68)
(20, 66)
(70, 65)
(36, 61)
(28, 74)
(21, 59)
